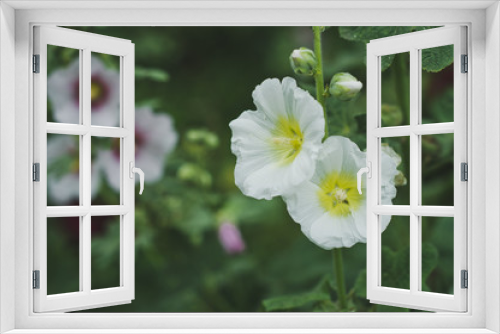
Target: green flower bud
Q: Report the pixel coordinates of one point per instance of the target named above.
(345, 86)
(391, 115)
(195, 174)
(400, 179)
(203, 137)
(303, 61)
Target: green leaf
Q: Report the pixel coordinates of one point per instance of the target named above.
(154, 74)
(326, 306)
(283, 303)
(360, 284)
(386, 308)
(386, 61)
(436, 59)
(429, 259)
(366, 34)
(442, 107)
(326, 285)
(341, 119)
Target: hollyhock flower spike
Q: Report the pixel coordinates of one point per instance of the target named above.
(331, 212)
(64, 93)
(276, 146)
(155, 139)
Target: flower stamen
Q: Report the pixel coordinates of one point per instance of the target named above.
(338, 195)
(287, 139)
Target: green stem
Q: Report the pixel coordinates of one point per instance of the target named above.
(318, 75)
(402, 87)
(339, 276)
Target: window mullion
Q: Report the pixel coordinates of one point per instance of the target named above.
(414, 171)
(85, 167)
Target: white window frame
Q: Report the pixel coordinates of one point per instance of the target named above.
(413, 44)
(16, 21)
(85, 43)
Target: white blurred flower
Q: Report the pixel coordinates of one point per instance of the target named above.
(331, 212)
(63, 87)
(399, 178)
(65, 188)
(276, 146)
(155, 139)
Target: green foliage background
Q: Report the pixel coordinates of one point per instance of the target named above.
(204, 77)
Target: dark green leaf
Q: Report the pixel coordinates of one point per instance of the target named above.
(386, 61)
(290, 302)
(442, 107)
(154, 74)
(366, 34)
(326, 306)
(360, 284)
(436, 59)
(429, 259)
(386, 308)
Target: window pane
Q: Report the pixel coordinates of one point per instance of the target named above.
(396, 150)
(63, 85)
(63, 255)
(395, 89)
(63, 170)
(105, 252)
(105, 90)
(437, 169)
(437, 84)
(396, 252)
(106, 155)
(437, 254)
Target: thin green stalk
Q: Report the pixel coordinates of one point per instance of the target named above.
(318, 75)
(339, 276)
(402, 86)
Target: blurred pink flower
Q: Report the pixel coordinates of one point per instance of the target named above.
(63, 89)
(230, 238)
(155, 139)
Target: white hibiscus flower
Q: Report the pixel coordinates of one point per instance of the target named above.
(276, 146)
(65, 188)
(331, 212)
(155, 139)
(63, 91)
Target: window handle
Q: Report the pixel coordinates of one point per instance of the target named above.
(135, 170)
(368, 171)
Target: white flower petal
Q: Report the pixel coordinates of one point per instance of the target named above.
(264, 170)
(151, 164)
(331, 233)
(157, 140)
(61, 86)
(303, 206)
(158, 130)
(64, 189)
(334, 229)
(110, 165)
(360, 221)
(268, 97)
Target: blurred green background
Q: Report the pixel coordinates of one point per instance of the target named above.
(203, 77)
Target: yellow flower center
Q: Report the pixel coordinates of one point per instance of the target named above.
(95, 91)
(338, 194)
(287, 139)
